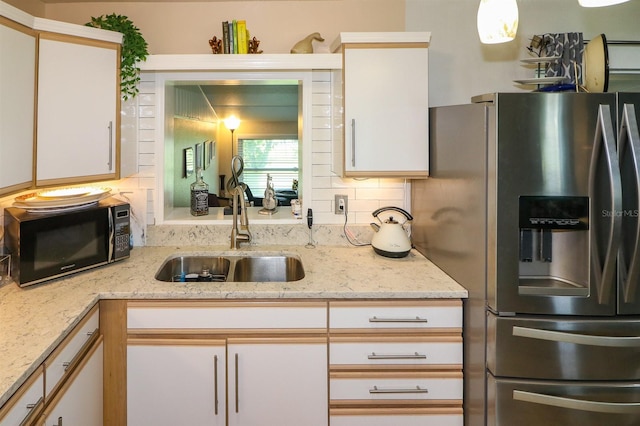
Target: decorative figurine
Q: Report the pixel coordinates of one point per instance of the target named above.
(216, 45)
(253, 46)
(306, 44)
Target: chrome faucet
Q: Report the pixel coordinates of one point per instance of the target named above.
(239, 233)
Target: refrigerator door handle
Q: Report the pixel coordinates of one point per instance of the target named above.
(579, 339)
(605, 272)
(577, 404)
(629, 144)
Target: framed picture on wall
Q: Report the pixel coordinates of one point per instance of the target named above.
(207, 155)
(188, 162)
(199, 155)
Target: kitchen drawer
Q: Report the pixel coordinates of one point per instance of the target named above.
(386, 315)
(436, 416)
(445, 351)
(444, 387)
(226, 315)
(64, 357)
(563, 348)
(27, 402)
(558, 403)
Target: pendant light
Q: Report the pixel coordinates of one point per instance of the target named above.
(497, 21)
(600, 3)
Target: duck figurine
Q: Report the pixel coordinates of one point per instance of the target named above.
(306, 44)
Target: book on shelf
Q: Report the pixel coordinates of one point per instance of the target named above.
(235, 36)
(225, 37)
(242, 36)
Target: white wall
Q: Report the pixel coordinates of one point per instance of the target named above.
(461, 67)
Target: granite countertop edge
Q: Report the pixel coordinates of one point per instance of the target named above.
(34, 320)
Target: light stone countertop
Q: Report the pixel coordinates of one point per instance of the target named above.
(34, 320)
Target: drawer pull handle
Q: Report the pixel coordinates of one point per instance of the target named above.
(416, 319)
(577, 404)
(215, 383)
(415, 355)
(93, 336)
(417, 389)
(33, 411)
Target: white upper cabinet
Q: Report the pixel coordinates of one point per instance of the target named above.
(78, 125)
(17, 105)
(382, 105)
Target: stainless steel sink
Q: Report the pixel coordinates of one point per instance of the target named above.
(194, 268)
(258, 268)
(268, 268)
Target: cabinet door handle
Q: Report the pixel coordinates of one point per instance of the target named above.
(415, 355)
(33, 409)
(417, 389)
(110, 163)
(416, 319)
(353, 142)
(215, 384)
(93, 336)
(237, 386)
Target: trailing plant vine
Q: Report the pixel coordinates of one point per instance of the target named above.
(134, 50)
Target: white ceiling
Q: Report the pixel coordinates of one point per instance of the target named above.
(255, 102)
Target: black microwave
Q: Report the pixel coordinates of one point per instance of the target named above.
(48, 245)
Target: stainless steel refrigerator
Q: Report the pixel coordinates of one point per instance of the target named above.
(532, 205)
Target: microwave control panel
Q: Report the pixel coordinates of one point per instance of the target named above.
(122, 231)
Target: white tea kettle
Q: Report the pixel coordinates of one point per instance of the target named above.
(390, 238)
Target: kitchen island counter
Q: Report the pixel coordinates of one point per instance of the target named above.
(34, 320)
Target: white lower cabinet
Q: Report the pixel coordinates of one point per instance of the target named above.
(278, 382)
(395, 363)
(397, 417)
(176, 381)
(79, 400)
(27, 404)
(227, 363)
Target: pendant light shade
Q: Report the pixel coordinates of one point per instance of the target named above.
(600, 3)
(497, 21)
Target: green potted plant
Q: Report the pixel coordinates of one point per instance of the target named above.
(134, 50)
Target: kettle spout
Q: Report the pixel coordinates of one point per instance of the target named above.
(375, 226)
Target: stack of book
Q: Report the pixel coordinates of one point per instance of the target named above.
(235, 36)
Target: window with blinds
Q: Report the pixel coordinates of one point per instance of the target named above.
(277, 157)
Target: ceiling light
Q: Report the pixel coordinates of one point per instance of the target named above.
(600, 3)
(497, 21)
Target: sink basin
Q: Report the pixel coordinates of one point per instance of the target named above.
(268, 268)
(194, 268)
(260, 268)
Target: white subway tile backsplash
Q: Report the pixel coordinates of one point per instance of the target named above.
(321, 98)
(321, 146)
(146, 135)
(321, 123)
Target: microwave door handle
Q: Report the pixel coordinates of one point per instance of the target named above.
(605, 273)
(112, 237)
(629, 144)
(577, 404)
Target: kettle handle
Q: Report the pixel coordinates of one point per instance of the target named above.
(397, 209)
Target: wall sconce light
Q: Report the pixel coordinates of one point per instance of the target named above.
(600, 3)
(232, 124)
(497, 21)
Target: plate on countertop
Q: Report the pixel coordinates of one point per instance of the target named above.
(540, 59)
(34, 200)
(541, 80)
